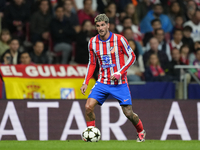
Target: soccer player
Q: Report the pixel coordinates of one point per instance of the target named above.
(109, 49)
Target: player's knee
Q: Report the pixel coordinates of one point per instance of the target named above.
(88, 108)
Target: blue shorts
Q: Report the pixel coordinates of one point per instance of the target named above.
(101, 91)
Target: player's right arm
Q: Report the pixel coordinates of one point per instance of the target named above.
(90, 68)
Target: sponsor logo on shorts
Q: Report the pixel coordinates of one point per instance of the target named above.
(125, 100)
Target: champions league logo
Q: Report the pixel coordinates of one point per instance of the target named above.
(106, 60)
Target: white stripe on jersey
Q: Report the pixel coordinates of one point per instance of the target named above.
(129, 53)
(94, 45)
(109, 54)
(117, 55)
(95, 48)
(125, 44)
(103, 63)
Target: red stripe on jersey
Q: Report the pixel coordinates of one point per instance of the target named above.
(97, 50)
(113, 56)
(122, 61)
(110, 51)
(91, 64)
(121, 55)
(123, 48)
(107, 69)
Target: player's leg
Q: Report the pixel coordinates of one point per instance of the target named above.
(122, 94)
(98, 95)
(133, 117)
(128, 112)
(89, 111)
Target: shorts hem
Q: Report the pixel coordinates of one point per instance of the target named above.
(125, 104)
(96, 100)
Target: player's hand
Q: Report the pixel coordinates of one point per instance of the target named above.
(112, 77)
(115, 76)
(83, 88)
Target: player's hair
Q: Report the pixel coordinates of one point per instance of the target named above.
(101, 17)
(155, 20)
(187, 28)
(156, 31)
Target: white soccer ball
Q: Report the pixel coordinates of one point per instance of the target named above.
(91, 134)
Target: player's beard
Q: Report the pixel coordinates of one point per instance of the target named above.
(102, 35)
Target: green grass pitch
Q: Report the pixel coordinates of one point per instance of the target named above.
(101, 145)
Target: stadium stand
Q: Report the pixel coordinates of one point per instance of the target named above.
(60, 26)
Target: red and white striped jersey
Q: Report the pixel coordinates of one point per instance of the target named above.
(110, 55)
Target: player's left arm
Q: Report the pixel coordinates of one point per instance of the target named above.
(129, 53)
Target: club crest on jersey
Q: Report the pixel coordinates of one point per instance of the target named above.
(112, 50)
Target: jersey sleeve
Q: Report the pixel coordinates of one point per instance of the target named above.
(91, 64)
(129, 53)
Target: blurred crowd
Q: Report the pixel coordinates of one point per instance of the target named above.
(162, 33)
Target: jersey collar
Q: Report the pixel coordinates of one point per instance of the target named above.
(107, 38)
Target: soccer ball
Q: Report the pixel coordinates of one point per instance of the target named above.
(91, 134)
